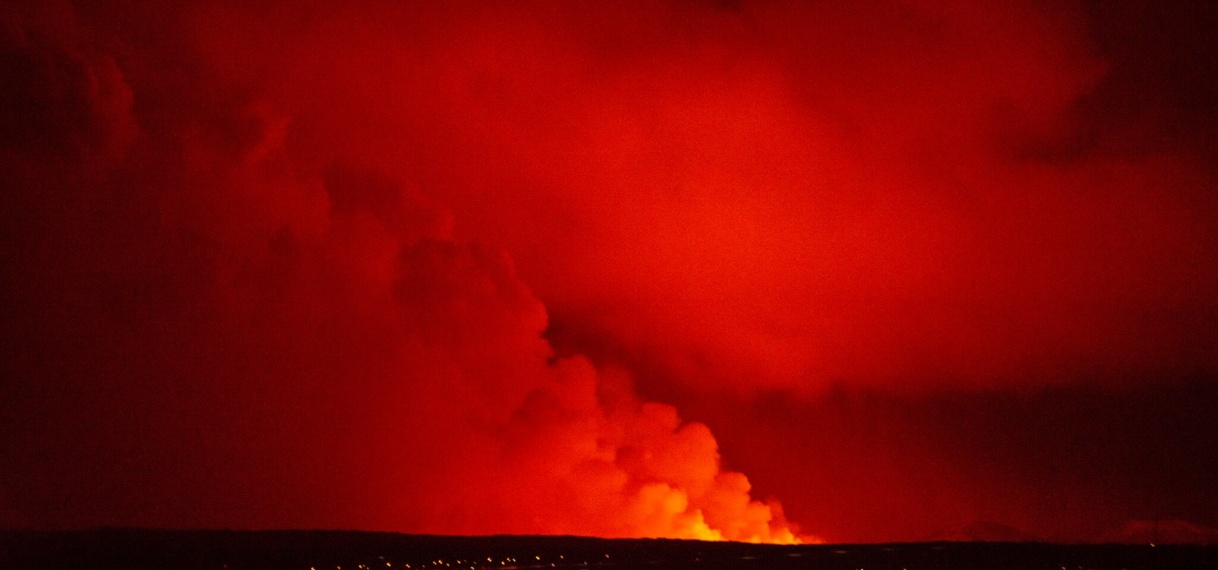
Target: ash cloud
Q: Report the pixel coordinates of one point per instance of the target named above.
(313, 248)
(204, 333)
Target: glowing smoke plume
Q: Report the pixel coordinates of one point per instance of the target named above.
(318, 328)
(457, 267)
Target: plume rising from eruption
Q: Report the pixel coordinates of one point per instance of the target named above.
(919, 265)
(323, 331)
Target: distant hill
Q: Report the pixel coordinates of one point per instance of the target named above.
(1169, 531)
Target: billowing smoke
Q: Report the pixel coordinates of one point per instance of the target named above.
(778, 195)
(235, 340)
(456, 268)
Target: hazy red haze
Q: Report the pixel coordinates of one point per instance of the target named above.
(911, 269)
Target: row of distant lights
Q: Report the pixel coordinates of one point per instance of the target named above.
(473, 564)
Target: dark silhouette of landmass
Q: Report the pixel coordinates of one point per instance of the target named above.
(134, 549)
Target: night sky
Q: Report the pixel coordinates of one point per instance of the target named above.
(755, 270)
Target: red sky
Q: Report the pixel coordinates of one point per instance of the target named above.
(899, 270)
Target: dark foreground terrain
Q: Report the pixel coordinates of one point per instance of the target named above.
(334, 550)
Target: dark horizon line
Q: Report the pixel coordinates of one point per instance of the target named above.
(101, 529)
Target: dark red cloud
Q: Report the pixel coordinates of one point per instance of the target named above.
(272, 266)
(203, 334)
